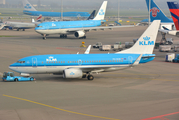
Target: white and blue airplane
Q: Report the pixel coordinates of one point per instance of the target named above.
(157, 14)
(84, 65)
(30, 10)
(78, 28)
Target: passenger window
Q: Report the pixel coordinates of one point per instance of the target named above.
(63, 61)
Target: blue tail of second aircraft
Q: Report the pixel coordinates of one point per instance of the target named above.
(156, 13)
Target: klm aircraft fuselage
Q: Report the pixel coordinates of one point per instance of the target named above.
(64, 27)
(57, 63)
(57, 14)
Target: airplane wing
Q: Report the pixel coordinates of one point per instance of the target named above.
(93, 69)
(164, 31)
(96, 28)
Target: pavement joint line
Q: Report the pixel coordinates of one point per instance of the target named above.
(59, 108)
(145, 74)
(143, 79)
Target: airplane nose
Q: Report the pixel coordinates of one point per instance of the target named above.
(11, 67)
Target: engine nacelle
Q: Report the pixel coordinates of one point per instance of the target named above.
(174, 32)
(72, 73)
(79, 34)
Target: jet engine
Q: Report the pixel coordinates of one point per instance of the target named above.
(79, 34)
(72, 73)
(174, 32)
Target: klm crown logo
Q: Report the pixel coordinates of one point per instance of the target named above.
(146, 38)
(72, 73)
(146, 41)
(101, 12)
(28, 6)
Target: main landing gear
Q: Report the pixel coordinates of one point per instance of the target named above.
(89, 76)
(44, 36)
(63, 36)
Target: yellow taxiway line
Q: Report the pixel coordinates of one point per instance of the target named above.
(59, 108)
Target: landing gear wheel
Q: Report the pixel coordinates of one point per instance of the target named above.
(44, 38)
(16, 79)
(17, 29)
(23, 29)
(63, 36)
(90, 77)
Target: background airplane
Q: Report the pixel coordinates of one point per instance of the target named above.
(174, 10)
(21, 25)
(30, 10)
(78, 28)
(84, 65)
(157, 14)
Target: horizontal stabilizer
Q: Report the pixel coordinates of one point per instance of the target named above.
(137, 61)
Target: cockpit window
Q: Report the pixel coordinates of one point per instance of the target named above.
(20, 61)
(39, 26)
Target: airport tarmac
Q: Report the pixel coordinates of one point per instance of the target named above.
(146, 92)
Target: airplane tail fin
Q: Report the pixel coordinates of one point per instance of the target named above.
(92, 15)
(156, 13)
(28, 6)
(40, 17)
(101, 13)
(174, 10)
(146, 42)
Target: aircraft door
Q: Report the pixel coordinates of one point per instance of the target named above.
(46, 26)
(79, 62)
(130, 59)
(34, 62)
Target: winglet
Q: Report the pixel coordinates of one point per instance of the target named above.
(88, 50)
(101, 13)
(137, 60)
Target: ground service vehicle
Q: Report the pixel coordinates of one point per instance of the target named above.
(9, 76)
(97, 45)
(176, 60)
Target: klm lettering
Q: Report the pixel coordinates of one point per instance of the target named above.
(146, 42)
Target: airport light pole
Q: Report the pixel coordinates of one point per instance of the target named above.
(149, 11)
(118, 11)
(62, 10)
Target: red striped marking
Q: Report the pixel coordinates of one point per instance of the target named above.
(161, 116)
